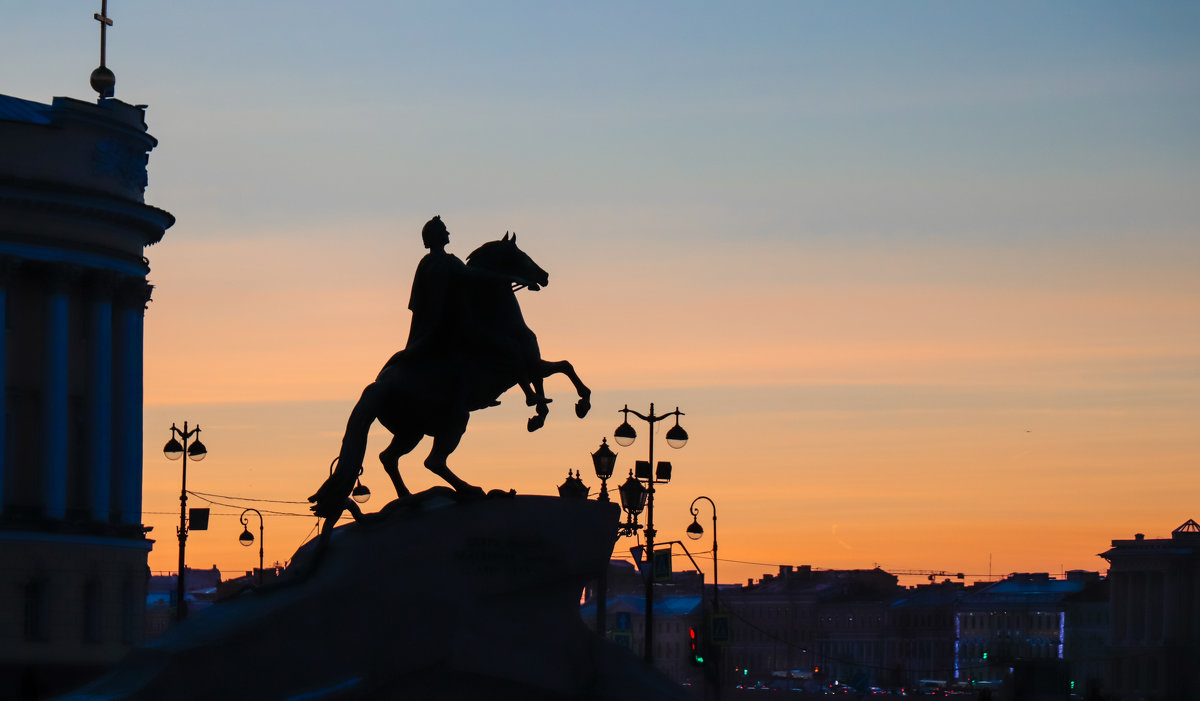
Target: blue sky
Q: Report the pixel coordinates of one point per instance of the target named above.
(868, 245)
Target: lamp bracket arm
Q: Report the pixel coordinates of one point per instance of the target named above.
(696, 512)
(649, 419)
(685, 552)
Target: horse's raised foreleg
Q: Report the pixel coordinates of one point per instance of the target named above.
(401, 444)
(444, 443)
(547, 368)
(539, 419)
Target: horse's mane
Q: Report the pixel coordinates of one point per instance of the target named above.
(481, 254)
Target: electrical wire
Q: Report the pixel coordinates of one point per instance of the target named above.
(226, 496)
(235, 506)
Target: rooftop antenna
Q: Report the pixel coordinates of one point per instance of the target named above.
(103, 80)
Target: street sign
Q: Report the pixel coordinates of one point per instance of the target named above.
(662, 564)
(198, 519)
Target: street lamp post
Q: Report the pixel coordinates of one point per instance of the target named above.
(174, 450)
(603, 461)
(652, 474)
(247, 538)
(695, 531)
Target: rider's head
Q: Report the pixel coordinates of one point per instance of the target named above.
(435, 233)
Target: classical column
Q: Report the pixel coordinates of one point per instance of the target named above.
(100, 398)
(135, 293)
(7, 266)
(54, 406)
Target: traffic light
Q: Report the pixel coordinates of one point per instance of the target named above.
(694, 653)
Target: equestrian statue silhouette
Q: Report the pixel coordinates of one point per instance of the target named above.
(468, 345)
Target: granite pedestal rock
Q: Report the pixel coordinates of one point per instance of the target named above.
(429, 599)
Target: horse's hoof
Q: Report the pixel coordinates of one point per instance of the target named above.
(582, 407)
(471, 492)
(536, 422)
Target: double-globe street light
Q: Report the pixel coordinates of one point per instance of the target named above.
(247, 538)
(174, 450)
(651, 474)
(634, 497)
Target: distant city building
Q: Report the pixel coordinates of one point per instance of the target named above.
(203, 589)
(1132, 635)
(1155, 616)
(922, 634)
(807, 629)
(827, 625)
(1017, 629)
(679, 606)
(73, 291)
(1087, 634)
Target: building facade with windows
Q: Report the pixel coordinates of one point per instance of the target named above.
(1155, 599)
(73, 292)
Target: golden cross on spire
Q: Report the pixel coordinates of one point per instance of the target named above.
(105, 23)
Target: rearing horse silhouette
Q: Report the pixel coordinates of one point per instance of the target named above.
(420, 394)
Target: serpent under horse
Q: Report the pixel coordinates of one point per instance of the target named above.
(432, 394)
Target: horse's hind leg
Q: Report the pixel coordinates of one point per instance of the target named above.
(444, 443)
(401, 444)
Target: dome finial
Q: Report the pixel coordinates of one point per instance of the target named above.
(103, 80)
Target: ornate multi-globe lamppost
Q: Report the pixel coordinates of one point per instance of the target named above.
(174, 450)
(632, 493)
(651, 474)
(247, 538)
(633, 500)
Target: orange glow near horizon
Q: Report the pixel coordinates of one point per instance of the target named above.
(932, 423)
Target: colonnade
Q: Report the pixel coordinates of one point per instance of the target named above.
(73, 377)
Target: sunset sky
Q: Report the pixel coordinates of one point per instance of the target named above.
(924, 277)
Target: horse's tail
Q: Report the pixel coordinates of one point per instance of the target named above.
(330, 499)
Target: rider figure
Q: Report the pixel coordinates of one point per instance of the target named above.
(434, 301)
(438, 308)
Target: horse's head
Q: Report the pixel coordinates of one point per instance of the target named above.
(504, 258)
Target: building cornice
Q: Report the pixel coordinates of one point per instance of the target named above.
(150, 221)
